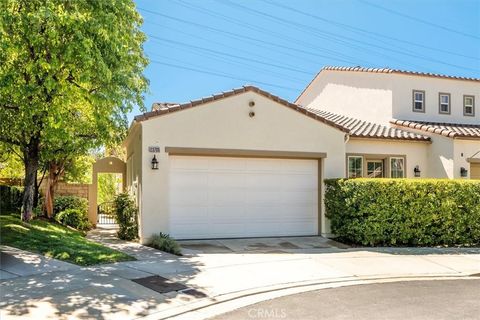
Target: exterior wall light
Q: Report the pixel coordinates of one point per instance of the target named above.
(463, 172)
(154, 163)
(416, 171)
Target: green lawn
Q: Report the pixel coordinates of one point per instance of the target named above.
(56, 241)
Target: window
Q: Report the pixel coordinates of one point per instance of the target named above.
(355, 167)
(468, 105)
(374, 168)
(397, 168)
(444, 103)
(418, 101)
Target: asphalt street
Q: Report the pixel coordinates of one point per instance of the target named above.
(438, 299)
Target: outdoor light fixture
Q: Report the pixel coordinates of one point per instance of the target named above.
(154, 163)
(417, 171)
(463, 172)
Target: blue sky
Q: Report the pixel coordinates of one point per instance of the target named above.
(198, 48)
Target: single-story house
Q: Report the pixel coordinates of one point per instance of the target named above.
(246, 163)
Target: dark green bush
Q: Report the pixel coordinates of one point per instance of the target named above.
(10, 198)
(62, 203)
(126, 216)
(74, 218)
(404, 212)
(165, 243)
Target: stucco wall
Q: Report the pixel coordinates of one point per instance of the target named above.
(403, 85)
(226, 124)
(133, 146)
(463, 150)
(380, 97)
(362, 95)
(416, 153)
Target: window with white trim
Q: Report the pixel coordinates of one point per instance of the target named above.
(468, 105)
(355, 167)
(444, 103)
(397, 167)
(418, 101)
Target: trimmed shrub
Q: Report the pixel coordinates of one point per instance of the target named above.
(10, 198)
(62, 203)
(126, 216)
(165, 243)
(404, 212)
(74, 218)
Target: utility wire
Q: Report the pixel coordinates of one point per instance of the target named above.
(420, 20)
(257, 28)
(316, 31)
(224, 75)
(228, 54)
(196, 36)
(258, 41)
(364, 31)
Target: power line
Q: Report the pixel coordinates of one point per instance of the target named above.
(419, 20)
(261, 29)
(228, 54)
(224, 75)
(364, 31)
(258, 70)
(196, 36)
(315, 31)
(241, 36)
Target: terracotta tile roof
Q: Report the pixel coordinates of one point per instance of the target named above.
(169, 108)
(163, 105)
(363, 129)
(451, 130)
(388, 70)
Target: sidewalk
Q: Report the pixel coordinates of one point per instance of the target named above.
(221, 280)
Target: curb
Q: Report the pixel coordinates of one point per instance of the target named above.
(205, 308)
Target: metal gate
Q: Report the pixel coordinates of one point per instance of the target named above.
(105, 213)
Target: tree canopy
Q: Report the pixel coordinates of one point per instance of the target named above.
(70, 70)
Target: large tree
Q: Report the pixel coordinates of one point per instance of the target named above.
(69, 71)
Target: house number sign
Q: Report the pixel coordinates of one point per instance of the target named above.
(154, 149)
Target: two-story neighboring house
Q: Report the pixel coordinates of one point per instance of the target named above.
(443, 108)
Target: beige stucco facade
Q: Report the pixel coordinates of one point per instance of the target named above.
(381, 97)
(222, 124)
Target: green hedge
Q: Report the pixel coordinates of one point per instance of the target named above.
(62, 203)
(404, 212)
(10, 198)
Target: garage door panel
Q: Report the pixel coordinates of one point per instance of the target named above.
(219, 164)
(299, 198)
(242, 197)
(190, 163)
(225, 180)
(189, 214)
(264, 181)
(185, 180)
(300, 182)
(189, 197)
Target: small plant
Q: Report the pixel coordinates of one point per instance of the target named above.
(126, 216)
(74, 218)
(165, 243)
(62, 203)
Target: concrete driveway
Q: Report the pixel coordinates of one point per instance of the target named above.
(251, 270)
(260, 245)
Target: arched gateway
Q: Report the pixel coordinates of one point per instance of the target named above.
(104, 165)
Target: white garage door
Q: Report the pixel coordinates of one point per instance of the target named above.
(214, 197)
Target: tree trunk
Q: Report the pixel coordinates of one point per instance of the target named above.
(55, 171)
(31, 159)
